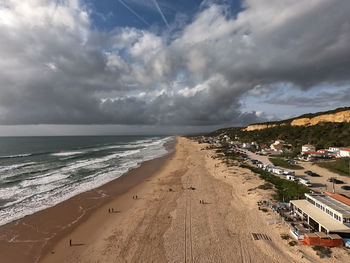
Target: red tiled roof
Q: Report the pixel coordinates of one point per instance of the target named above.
(276, 145)
(339, 198)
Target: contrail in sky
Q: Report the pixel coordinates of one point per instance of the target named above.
(132, 11)
(161, 13)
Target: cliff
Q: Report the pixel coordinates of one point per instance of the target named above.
(338, 116)
(262, 126)
(343, 116)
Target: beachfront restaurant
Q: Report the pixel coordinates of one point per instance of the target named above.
(324, 214)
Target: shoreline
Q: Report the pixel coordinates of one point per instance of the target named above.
(29, 238)
(194, 208)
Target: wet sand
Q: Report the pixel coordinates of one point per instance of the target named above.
(27, 239)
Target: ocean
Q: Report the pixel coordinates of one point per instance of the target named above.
(40, 172)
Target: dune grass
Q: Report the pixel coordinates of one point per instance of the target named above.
(339, 166)
(283, 163)
(285, 190)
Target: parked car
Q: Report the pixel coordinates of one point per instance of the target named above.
(336, 181)
(308, 172)
(345, 187)
(315, 175)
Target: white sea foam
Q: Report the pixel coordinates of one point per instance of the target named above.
(65, 154)
(49, 189)
(15, 155)
(15, 166)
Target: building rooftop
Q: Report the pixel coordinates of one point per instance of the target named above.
(320, 217)
(345, 149)
(334, 204)
(316, 153)
(339, 197)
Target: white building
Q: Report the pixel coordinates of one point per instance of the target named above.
(308, 148)
(344, 152)
(334, 149)
(328, 213)
(246, 145)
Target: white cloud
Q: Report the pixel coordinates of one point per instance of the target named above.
(70, 73)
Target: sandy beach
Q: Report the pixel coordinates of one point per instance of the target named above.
(192, 209)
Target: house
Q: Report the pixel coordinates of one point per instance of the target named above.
(276, 146)
(267, 151)
(312, 155)
(334, 149)
(308, 148)
(246, 145)
(279, 142)
(344, 152)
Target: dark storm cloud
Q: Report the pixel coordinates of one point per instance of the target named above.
(56, 70)
(322, 98)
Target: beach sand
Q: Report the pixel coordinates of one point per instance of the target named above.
(168, 222)
(29, 238)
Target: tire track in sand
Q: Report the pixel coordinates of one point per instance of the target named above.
(188, 222)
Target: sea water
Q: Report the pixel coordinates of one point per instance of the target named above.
(40, 172)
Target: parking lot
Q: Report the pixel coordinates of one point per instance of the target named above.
(319, 183)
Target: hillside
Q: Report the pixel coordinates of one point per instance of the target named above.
(338, 115)
(321, 135)
(323, 130)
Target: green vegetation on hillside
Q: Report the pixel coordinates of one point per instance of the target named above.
(339, 166)
(283, 163)
(286, 190)
(322, 135)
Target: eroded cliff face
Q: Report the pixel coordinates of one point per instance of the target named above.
(343, 116)
(259, 127)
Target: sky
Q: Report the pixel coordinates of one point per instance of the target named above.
(105, 67)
